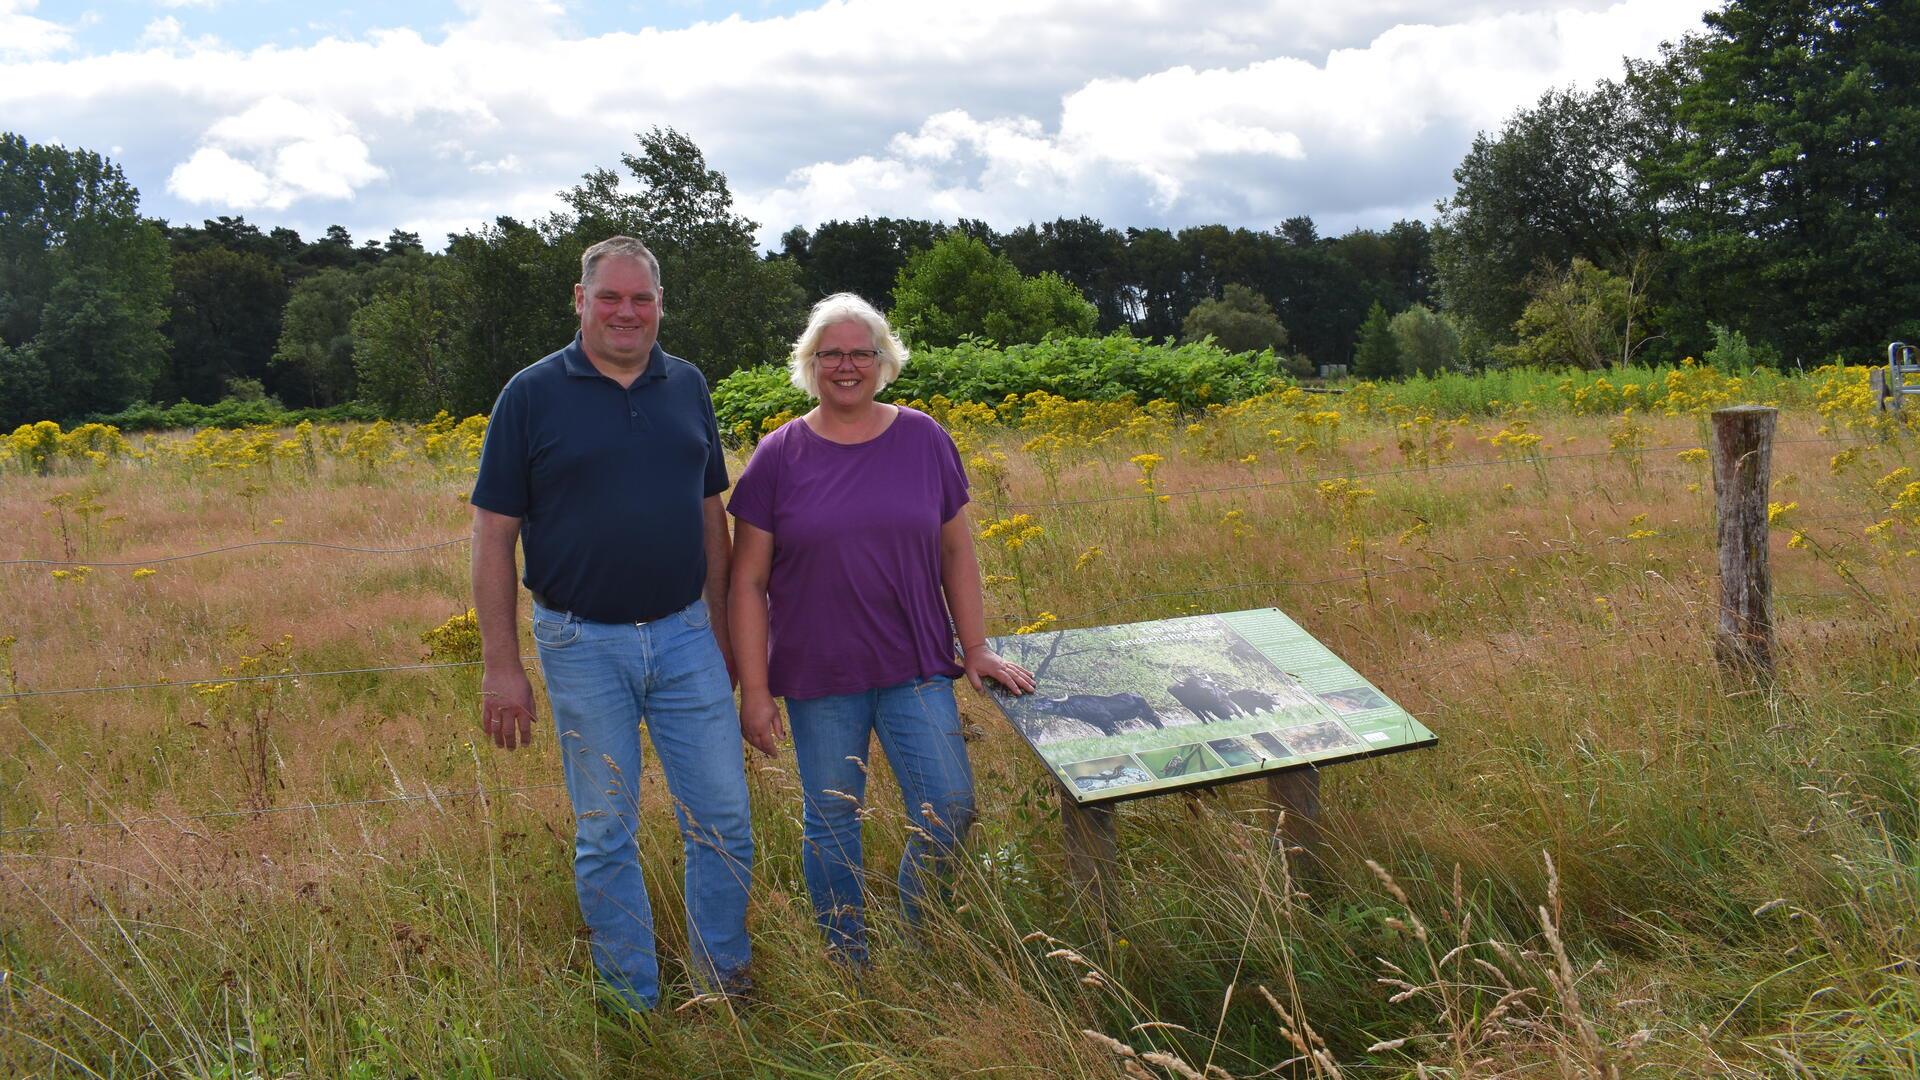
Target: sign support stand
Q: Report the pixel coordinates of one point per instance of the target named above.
(1092, 845)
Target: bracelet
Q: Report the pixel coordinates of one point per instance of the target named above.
(969, 648)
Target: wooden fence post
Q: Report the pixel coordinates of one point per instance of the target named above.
(1742, 467)
(1092, 845)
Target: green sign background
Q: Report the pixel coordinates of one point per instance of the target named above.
(1150, 707)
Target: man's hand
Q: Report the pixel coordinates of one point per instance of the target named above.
(760, 723)
(506, 706)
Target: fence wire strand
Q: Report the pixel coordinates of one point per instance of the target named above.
(1376, 474)
(429, 795)
(177, 820)
(220, 680)
(1559, 548)
(997, 506)
(240, 547)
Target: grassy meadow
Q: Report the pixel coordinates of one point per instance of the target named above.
(1616, 863)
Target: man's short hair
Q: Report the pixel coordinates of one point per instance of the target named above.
(843, 308)
(625, 247)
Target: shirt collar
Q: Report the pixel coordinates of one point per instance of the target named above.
(574, 359)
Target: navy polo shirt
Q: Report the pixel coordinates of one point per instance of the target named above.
(608, 483)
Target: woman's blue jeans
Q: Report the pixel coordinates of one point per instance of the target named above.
(919, 727)
(602, 680)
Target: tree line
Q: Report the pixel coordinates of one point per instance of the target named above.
(1748, 195)
(224, 309)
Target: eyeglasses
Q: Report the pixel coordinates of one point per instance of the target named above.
(831, 358)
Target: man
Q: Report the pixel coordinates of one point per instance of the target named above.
(604, 461)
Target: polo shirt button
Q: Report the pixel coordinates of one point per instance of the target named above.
(630, 413)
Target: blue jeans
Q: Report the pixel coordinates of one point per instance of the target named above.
(919, 727)
(602, 680)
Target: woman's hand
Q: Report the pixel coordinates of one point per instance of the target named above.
(981, 662)
(760, 722)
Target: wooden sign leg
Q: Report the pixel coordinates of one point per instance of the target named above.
(1295, 796)
(1092, 845)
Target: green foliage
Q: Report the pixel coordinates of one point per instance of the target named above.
(1791, 181)
(83, 285)
(246, 391)
(229, 413)
(1427, 341)
(223, 321)
(1241, 320)
(1079, 368)
(1086, 254)
(862, 257)
(405, 354)
(1732, 354)
(1556, 183)
(958, 288)
(1767, 159)
(315, 350)
(1377, 354)
(1499, 392)
(1584, 316)
(745, 400)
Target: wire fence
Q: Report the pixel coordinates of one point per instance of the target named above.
(158, 560)
(221, 680)
(1554, 548)
(180, 821)
(1513, 461)
(997, 506)
(429, 796)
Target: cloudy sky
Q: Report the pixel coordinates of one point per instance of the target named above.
(437, 115)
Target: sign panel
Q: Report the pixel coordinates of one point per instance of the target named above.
(1145, 708)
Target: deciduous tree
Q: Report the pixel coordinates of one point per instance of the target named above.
(223, 322)
(1240, 320)
(958, 288)
(83, 285)
(1426, 341)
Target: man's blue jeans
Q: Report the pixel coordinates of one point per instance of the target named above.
(602, 680)
(919, 728)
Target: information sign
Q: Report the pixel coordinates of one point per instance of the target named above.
(1145, 708)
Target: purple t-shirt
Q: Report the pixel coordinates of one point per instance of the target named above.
(854, 595)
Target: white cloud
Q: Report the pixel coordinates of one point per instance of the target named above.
(25, 36)
(509, 164)
(1261, 141)
(215, 176)
(1132, 111)
(294, 152)
(163, 33)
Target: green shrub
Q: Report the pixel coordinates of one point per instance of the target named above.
(145, 416)
(746, 399)
(1081, 368)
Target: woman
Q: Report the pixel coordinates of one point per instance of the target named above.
(850, 557)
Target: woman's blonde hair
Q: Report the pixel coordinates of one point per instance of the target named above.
(843, 308)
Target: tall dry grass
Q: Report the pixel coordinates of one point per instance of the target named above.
(1616, 863)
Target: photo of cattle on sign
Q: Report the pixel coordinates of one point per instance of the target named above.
(1105, 713)
(1208, 699)
(1121, 688)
